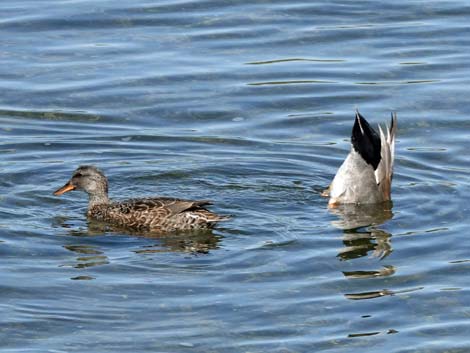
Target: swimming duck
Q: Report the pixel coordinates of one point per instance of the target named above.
(365, 176)
(162, 214)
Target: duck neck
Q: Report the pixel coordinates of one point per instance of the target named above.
(99, 198)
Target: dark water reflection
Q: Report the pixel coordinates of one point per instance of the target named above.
(375, 242)
(249, 105)
(384, 271)
(191, 242)
(360, 242)
(357, 216)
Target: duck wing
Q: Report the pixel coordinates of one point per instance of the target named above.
(178, 206)
(165, 206)
(194, 209)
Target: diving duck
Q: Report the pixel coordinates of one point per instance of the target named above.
(161, 214)
(365, 177)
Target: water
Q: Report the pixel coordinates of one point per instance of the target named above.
(249, 104)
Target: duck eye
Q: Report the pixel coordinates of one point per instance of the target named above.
(78, 175)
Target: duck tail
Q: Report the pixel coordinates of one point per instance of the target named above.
(203, 216)
(222, 218)
(366, 141)
(384, 171)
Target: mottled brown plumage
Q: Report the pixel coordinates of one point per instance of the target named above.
(148, 214)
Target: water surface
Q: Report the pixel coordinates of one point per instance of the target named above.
(250, 105)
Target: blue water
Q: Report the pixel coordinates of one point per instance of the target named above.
(249, 104)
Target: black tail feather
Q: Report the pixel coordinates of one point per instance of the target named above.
(366, 141)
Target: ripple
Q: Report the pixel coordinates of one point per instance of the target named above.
(287, 82)
(278, 61)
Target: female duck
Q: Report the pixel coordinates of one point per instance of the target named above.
(151, 214)
(365, 176)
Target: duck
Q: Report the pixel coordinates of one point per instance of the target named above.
(155, 214)
(365, 177)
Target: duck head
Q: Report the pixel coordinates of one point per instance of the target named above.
(89, 179)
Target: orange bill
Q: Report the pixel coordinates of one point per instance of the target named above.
(67, 187)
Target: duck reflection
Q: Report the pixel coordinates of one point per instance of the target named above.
(383, 272)
(361, 235)
(193, 242)
(352, 216)
(379, 293)
(359, 243)
(88, 255)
